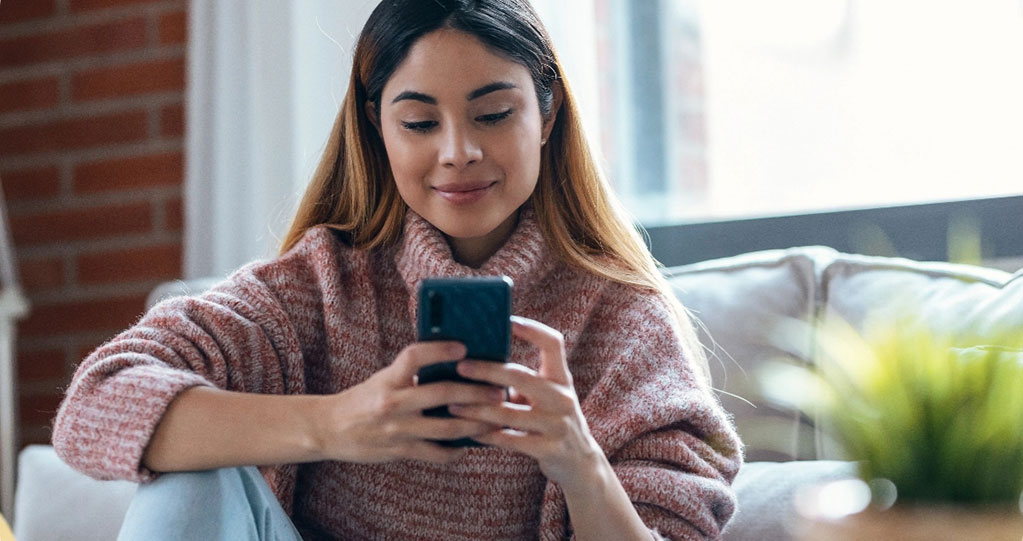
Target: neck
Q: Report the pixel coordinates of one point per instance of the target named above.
(474, 252)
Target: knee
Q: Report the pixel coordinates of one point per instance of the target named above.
(185, 501)
(194, 488)
(185, 482)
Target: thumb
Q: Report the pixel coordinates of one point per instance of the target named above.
(407, 364)
(550, 342)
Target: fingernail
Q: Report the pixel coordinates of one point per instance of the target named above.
(497, 394)
(456, 408)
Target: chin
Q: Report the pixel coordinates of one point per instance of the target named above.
(467, 231)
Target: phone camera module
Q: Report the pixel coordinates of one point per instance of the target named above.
(436, 311)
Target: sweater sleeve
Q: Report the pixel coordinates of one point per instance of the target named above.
(237, 336)
(670, 443)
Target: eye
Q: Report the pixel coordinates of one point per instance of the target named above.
(419, 127)
(495, 117)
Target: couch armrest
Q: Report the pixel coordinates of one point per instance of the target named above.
(766, 493)
(55, 502)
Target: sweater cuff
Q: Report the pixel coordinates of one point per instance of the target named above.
(112, 429)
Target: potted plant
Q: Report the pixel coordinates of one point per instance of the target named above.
(934, 421)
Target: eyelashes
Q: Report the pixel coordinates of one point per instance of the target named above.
(419, 127)
(427, 125)
(494, 118)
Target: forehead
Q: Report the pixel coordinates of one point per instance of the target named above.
(451, 61)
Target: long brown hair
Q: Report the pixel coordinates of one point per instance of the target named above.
(353, 190)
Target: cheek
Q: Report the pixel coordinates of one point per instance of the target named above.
(520, 155)
(409, 162)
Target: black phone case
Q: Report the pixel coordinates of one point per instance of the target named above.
(474, 311)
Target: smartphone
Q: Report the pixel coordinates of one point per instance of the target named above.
(473, 311)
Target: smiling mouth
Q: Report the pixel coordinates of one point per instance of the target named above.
(464, 193)
(464, 187)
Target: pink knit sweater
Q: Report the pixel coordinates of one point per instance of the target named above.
(324, 317)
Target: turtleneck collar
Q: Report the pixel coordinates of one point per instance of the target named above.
(424, 252)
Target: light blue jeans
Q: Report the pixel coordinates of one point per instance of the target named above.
(229, 503)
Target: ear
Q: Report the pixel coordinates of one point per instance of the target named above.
(371, 114)
(548, 123)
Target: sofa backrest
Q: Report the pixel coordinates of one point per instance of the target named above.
(739, 301)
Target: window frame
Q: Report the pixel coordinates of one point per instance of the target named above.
(918, 231)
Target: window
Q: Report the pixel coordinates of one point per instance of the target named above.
(746, 112)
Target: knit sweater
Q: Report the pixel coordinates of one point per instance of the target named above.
(324, 317)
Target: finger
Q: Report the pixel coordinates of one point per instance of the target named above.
(515, 397)
(421, 354)
(550, 342)
(499, 374)
(514, 440)
(514, 416)
(438, 428)
(442, 393)
(540, 392)
(430, 452)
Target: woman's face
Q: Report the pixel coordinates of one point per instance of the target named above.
(463, 131)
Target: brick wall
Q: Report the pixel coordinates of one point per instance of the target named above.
(91, 161)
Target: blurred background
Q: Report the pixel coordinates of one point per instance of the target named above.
(150, 140)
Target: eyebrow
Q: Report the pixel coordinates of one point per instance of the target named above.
(417, 96)
(492, 87)
(479, 92)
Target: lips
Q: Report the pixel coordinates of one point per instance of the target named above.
(464, 193)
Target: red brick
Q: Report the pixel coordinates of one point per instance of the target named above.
(84, 351)
(74, 133)
(172, 120)
(39, 409)
(127, 173)
(23, 10)
(26, 95)
(41, 365)
(35, 434)
(129, 80)
(173, 28)
(73, 42)
(88, 5)
(79, 224)
(31, 183)
(105, 315)
(175, 214)
(40, 274)
(149, 263)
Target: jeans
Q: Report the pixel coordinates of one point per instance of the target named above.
(229, 503)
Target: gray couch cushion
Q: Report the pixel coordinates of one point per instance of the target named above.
(55, 502)
(736, 302)
(766, 492)
(949, 298)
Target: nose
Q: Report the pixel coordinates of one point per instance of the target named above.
(459, 148)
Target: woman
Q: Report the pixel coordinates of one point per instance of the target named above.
(457, 152)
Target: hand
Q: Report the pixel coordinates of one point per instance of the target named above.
(380, 420)
(543, 418)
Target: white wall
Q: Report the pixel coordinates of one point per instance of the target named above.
(265, 81)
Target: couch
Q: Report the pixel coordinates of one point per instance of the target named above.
(737, 302)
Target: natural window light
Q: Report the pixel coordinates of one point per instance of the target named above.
(735, 108)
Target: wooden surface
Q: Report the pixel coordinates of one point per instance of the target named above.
(919, 523)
